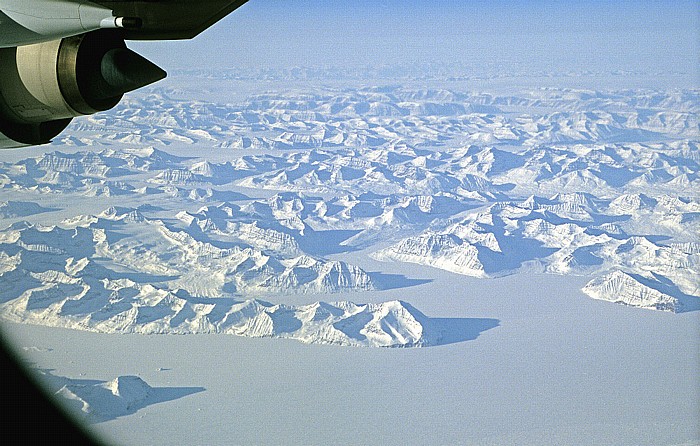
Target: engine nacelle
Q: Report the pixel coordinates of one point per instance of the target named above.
(43, 86)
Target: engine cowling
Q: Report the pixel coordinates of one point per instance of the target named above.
(43, 86)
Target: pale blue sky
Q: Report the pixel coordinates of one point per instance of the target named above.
(654, 35)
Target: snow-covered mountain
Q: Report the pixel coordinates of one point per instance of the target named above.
(330, 117)
(185, 259)
(565, 234)
(95, 401)
(639, 291)
(62, 277)
(598, 184)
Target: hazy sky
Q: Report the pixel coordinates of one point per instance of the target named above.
(590, 34)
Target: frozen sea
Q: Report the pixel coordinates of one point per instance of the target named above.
(559, 369)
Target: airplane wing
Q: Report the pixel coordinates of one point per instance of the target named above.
(170, 19)
(60, 59)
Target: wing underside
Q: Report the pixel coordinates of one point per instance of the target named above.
(171, 19)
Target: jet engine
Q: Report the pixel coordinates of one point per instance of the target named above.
(45, 85)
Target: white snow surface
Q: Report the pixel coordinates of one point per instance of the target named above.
(558, 180)
(269, 217)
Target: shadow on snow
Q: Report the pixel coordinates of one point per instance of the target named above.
(454, 330)
(385, 281)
